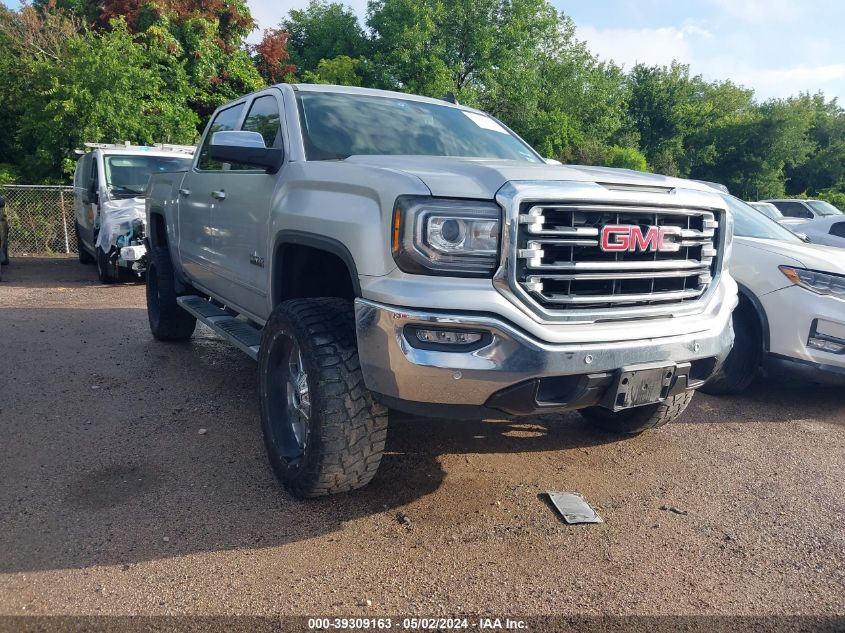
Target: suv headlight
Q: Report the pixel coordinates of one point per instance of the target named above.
(814, 281)
(436, 236)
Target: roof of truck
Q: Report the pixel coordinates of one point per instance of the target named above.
(160, 149)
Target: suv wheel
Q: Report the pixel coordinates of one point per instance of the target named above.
(106, 269)
(740, 367)
(84, 256)
(323, 430)
(638, 419)
(168, 321)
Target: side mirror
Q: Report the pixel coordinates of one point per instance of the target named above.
(804, 237)
(247, 148)
(552, 161)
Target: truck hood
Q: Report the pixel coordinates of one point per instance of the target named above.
(481, 178)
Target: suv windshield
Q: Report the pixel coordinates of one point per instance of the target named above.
(823, 208)
(127, 175)
(337, 125)
(748, 222)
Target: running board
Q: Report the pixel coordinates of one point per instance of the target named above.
(242, 334)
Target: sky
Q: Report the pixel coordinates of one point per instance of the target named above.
(776, 47)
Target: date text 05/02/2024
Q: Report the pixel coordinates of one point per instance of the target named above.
(417, 624)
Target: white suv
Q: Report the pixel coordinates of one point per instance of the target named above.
(792, 302)
(798, 211)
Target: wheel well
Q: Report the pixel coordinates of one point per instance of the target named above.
(749, 304)
(301, 271)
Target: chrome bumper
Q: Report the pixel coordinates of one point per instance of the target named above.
(400, 371)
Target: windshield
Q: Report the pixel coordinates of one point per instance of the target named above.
(336, 126)
(769, 210)
(750, 223)
(127, 175)
(823, 208)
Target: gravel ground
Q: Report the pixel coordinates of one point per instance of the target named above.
(114, 501)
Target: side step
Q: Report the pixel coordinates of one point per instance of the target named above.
(244, 335)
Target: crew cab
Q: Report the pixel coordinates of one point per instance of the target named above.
(376, 250)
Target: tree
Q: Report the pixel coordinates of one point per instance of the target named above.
(824, 170)
(750, 155)
(207, 36)
(341, 71)
(659, 107)
(107, 87)
(626, 158)
(323, 30)
(271, 56)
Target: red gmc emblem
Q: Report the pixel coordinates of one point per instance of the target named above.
(623, 237)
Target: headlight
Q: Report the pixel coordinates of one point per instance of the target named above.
(433, 236)
(814, 281)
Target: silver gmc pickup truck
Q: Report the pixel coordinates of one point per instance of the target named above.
(375, 250)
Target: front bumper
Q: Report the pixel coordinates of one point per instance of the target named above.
(799, 318)
(132, 254)
(513, 371)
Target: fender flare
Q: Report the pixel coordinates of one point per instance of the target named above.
(288, 237)
(746, 293)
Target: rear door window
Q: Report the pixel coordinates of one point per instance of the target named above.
(793, 209)
(838, 229)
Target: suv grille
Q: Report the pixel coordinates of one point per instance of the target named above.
(562, 264)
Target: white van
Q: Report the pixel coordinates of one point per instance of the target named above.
(109, 187)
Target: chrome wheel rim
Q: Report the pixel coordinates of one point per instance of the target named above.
(298, 397)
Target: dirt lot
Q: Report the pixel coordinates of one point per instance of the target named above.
(113, 502)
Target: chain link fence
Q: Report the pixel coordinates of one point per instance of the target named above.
(41, 220)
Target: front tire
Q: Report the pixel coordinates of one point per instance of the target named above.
(106, 270)
(168, 321)
(323, 430)
(638, 419)
(84, 256)
(743, 362)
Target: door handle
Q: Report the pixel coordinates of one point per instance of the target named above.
(185, 192)
(219, 195)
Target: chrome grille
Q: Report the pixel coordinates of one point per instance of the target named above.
(561, 265)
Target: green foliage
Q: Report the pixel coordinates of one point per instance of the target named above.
(322, 31)
(8, 174)
(627, 158)
(106, 88)
(159, 71)
(340, 71)
(836, 197)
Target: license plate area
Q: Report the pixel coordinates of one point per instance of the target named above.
(640, 385)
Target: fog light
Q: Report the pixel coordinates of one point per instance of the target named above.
(826, 345)
(448, 337)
